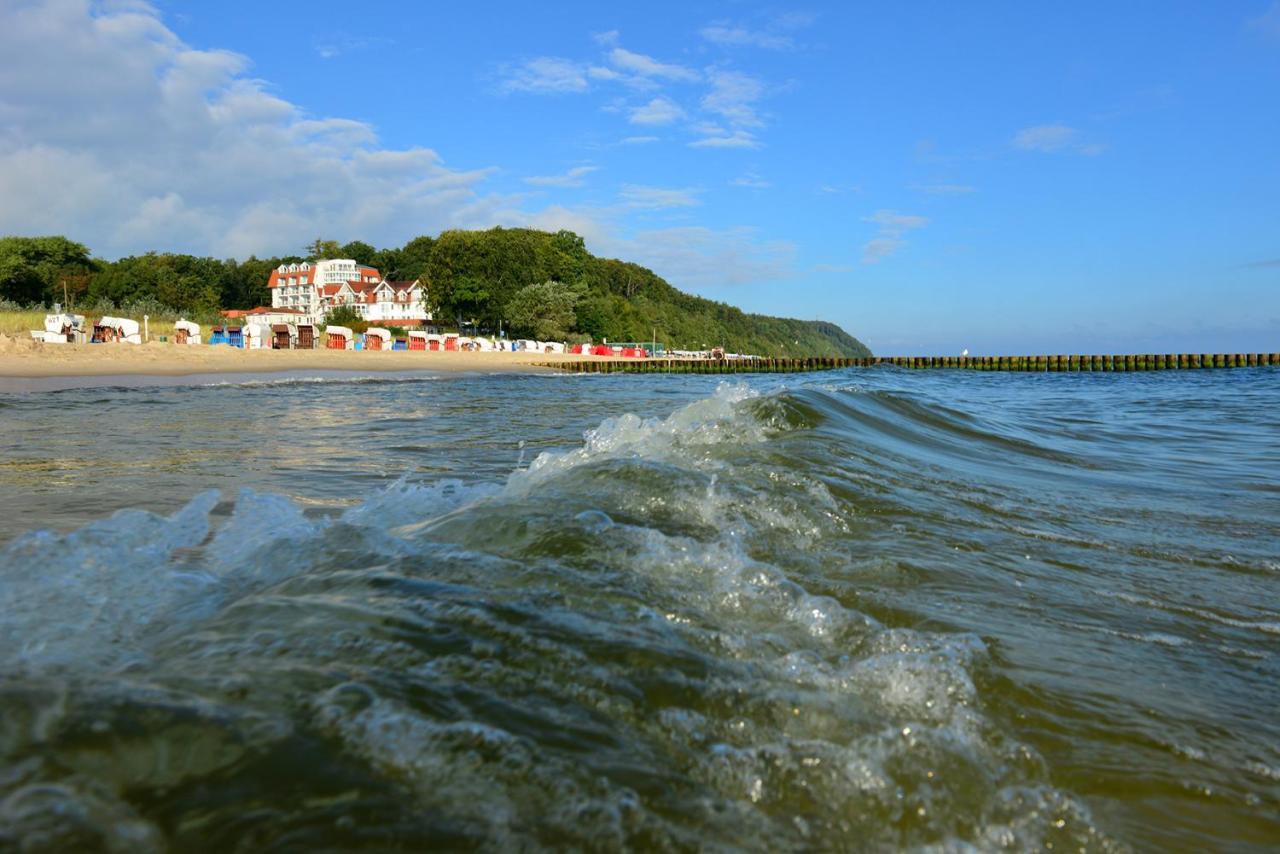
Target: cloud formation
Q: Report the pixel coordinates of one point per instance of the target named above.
(889, 239)
(572, 178)
(546, 75)
(659, 111)
(132, 140)
(657, 198)
(729, 106)
(647, 66)
(1054, 139)
(738, 36)
(774, 35)
(751, 180)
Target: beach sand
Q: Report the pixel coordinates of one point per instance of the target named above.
(25, 358)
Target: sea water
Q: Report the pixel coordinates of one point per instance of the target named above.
(855, 610)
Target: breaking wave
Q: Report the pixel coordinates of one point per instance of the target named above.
(686, 632)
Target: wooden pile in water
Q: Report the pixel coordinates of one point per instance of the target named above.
(1042, 364)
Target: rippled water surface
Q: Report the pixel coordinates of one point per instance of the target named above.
(856, 610)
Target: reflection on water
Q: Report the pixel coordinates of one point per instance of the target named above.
(862, 609)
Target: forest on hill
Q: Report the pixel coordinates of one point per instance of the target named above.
(522, 280)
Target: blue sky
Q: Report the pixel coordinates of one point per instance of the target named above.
(1002, 177)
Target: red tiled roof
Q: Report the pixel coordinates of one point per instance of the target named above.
(266, 309)
(308, 276)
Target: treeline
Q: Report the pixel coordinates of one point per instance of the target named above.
(522, 280)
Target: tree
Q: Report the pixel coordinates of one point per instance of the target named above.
(414, 258)
(545, 311)
(319, 249)
(345, 315)
(358, 251)
(34, 269)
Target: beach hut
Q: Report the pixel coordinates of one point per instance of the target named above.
(417, 340)
(186, 332)
(484, 345)
(602, 350)
(400, 343)
(235, 336)
(338, 338)
(109, 330)
(376, 338)
(524, 344)
(257, 336)
(435, 342)
(553, 347)
(61, 328)
(451, 341)
(281, 336)
(306, 336)
(218, 335)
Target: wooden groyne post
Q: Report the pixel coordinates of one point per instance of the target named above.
(1116, 363)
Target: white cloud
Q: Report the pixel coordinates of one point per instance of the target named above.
(659, 111)
(752, 180)
(647, 66)
(546, 75)
(608, 38)
(833, 268)
(133, 140)
(1055, 139)
(894, 223)
(737, 139)
(696, 257)
(738, 36)
(657, 198)
(889, 239)
(772, 36)
(732, 99)
(1045, 138)
(732, 96)
(878, 248)
(639, 140)
(572, 178)
(691, 257)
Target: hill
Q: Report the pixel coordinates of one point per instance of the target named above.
(477, 274)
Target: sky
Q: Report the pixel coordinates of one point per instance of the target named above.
(1003, 177)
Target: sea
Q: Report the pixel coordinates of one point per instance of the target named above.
(858, 610)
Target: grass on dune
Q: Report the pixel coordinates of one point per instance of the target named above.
(20, 323)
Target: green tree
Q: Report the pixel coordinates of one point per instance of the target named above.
(345, 315)
(414, 258)
(544, 311)
(35, 269)
(319, 249)
(358, 251)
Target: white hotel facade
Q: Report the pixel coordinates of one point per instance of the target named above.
(312, 289)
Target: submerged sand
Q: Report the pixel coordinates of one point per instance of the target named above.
(31, 359)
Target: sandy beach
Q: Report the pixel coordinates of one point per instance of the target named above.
(29, 359)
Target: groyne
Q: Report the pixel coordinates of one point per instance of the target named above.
(1122, 363)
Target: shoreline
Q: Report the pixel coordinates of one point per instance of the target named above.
(22, 361)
